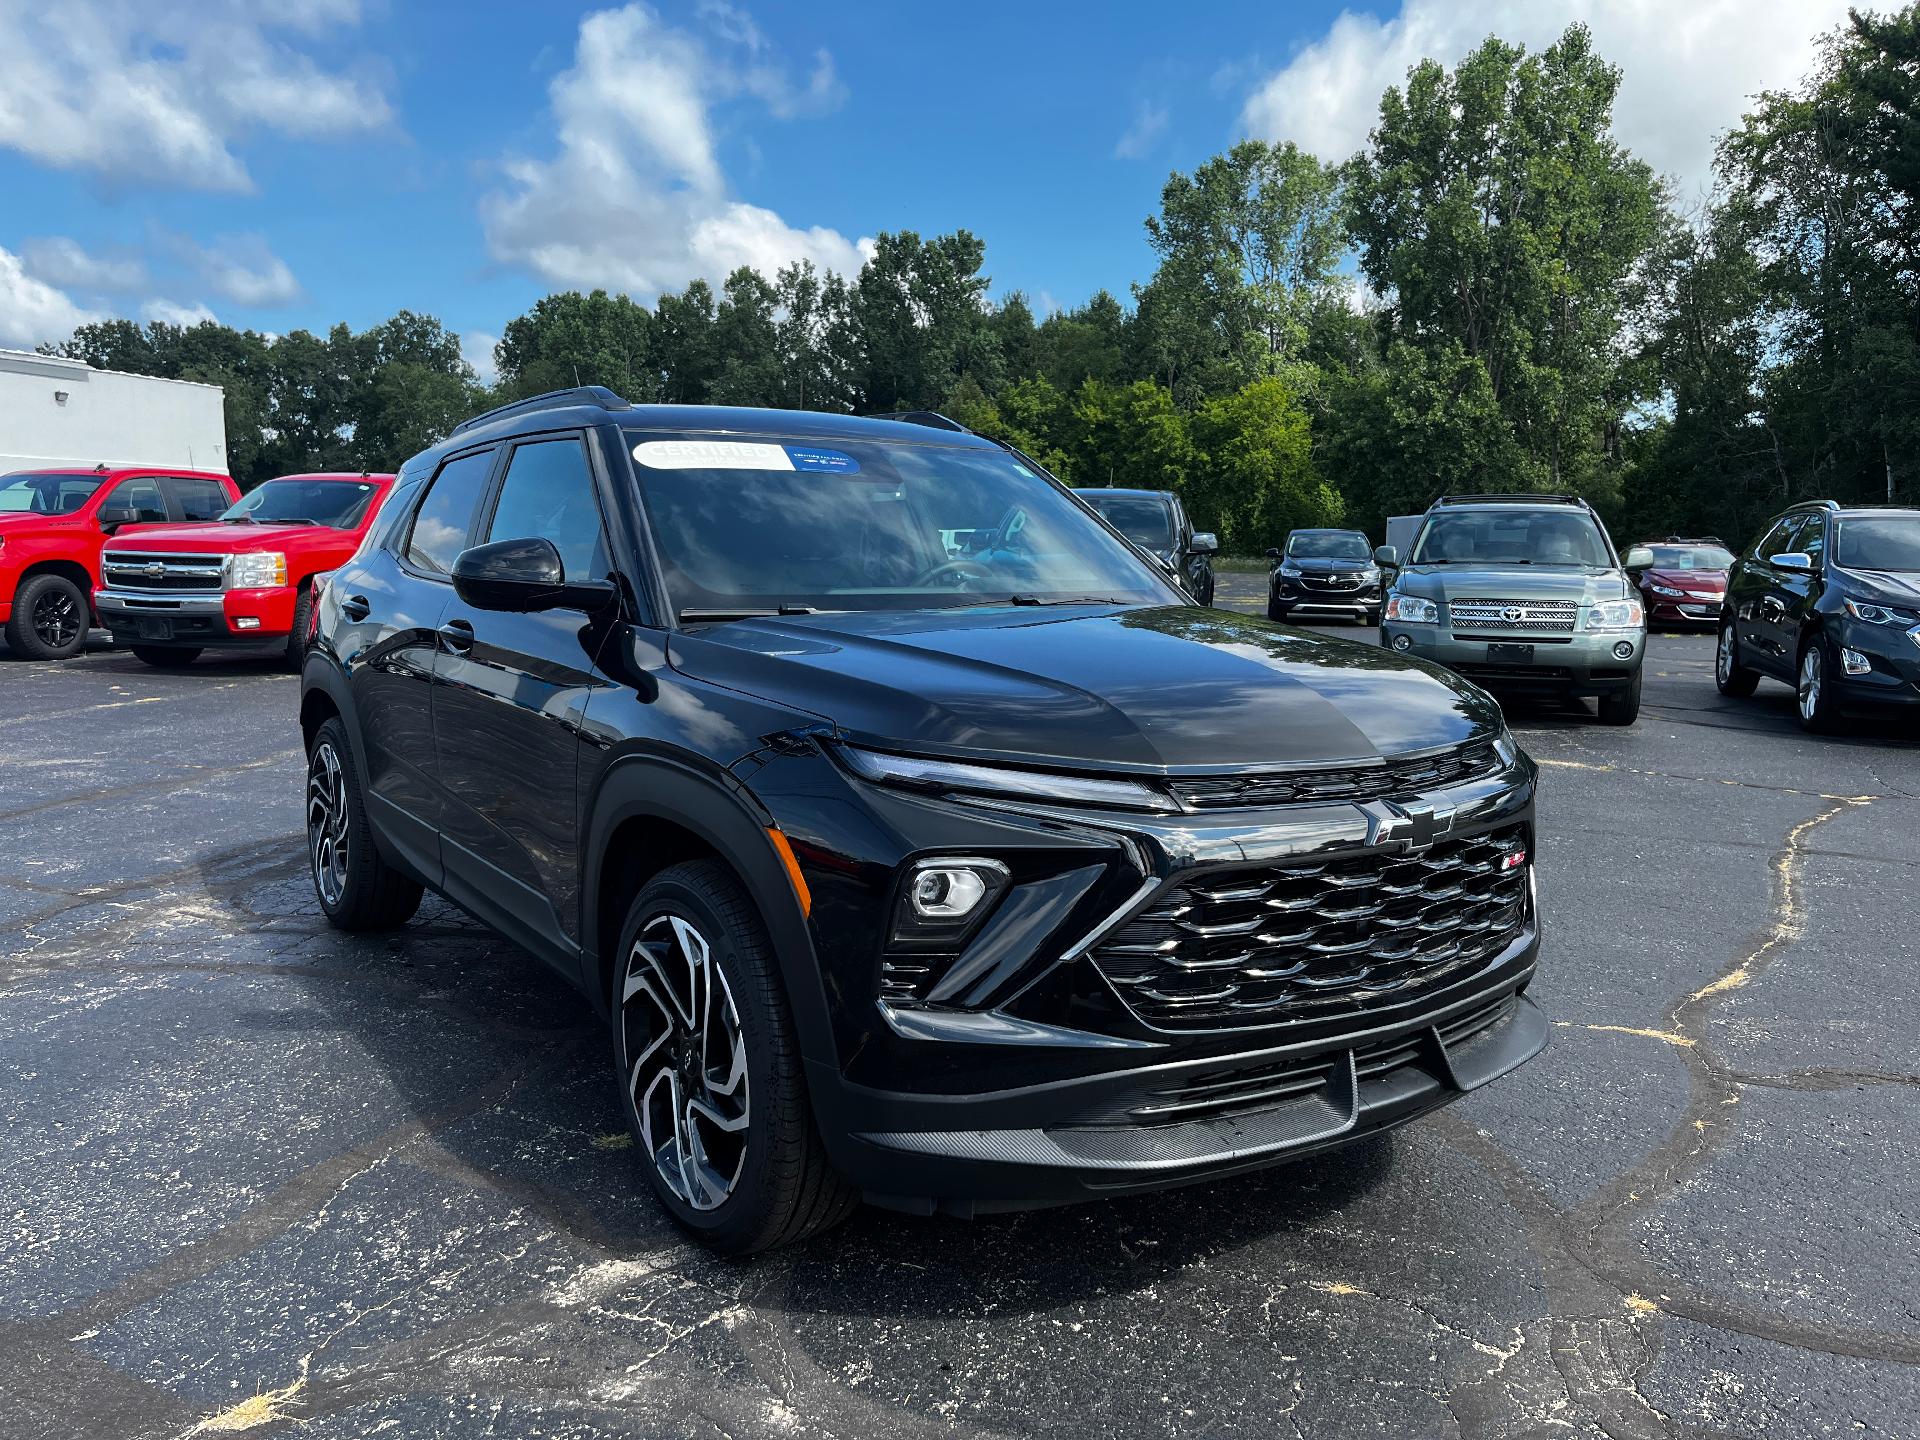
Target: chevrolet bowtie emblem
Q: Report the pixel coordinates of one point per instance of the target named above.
(155, 570)
(1415, 826)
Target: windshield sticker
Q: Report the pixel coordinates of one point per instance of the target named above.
(710, 455)
(832, 462)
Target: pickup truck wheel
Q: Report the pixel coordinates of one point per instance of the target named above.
(166, 657)
(358, 889)
(715, 1093)
(1622, 707)
(1729, 675)
(297, 637)
(49, 620)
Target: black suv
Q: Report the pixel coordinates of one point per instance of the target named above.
(1157, 522)
(957, 882)
(1324, 572)
(1828, 601)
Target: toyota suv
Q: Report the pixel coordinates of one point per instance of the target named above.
(959, 883)
(53, 524)
(1521, 593)
(246, 580)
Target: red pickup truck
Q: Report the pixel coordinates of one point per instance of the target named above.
(246, 579)
(53, 524)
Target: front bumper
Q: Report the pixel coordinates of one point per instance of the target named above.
(196, 618)
(1304, 596)
(1894, 654)
(1021, 1075)
(1582, 664)
(1663, 610)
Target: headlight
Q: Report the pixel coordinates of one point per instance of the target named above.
(1505, 746)
(1616, 615)
(1879, 614)
(1412, 610)
(942, 776)
(1290, 570)
(258, 571)
(1668, 590)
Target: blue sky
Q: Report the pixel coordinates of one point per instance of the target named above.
(289, 163)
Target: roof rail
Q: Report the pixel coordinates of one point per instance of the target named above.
(932, 419)
(598, 395)
(1815, 505)
(1515, 499)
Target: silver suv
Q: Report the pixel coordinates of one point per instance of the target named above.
(1520, 592)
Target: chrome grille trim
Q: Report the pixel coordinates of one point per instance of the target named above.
(1547, 617)
(136, 570)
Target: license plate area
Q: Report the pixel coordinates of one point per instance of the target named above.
(150, 628)
(1509, 654)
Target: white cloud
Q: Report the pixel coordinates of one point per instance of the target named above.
(33, 312)
(167, 312)
(1688, 69)
(635, 197)
(61, 261)
(158, 94)
(476, 348)
(240, 268)
(1149, 122)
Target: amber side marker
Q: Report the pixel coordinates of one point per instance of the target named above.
(800, 890)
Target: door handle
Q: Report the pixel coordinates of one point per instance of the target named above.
(355, 607)
(456, 637)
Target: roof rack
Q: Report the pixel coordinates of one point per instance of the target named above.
(932, 419)
(1514, 499)
(598, 395)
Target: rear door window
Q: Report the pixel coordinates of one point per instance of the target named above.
(198, 499)
(445, 518)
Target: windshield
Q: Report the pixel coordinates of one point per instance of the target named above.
(1335, 545)
(1146, 522)
(750, 527)
(1511, 537)
(1881, 542)
(1691, 557)
(47, 494)
(341, 504)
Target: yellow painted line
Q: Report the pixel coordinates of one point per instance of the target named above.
(1640, 1305)
(1607, 769)
(262, 1409)
(1669, 1037)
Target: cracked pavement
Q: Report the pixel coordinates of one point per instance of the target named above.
(258, 1177)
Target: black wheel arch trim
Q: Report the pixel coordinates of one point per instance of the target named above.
(727, 817)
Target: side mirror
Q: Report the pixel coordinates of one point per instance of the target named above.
(1639, 557)
(522, 576)
(1204, 542)
(1386, 557)
(1273, 552)
(112, 517)
(1792, 560)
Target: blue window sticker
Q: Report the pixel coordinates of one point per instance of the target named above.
(831, 462)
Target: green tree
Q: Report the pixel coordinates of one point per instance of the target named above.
(574, 339)
(1254, 475)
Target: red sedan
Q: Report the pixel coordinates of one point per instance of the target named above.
(1687, 582)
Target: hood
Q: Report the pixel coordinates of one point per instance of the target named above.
(1325, 565)
(1889, 587)
(1690, 579)
(14, 521)
(1175, 689)
(218, 539)
(1512, 582)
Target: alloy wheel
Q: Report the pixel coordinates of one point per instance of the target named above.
(327, 823)
(687, 1075)
(56, 618)
(1723, 655)
(1811, 679)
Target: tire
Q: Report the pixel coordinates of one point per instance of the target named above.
(297, 637)
(1372, 618)
(166, 657)
(760, 1176)
(49, 620)
(1729, 675)
(1622, 708)
(1277, 611)
(1816, 698)
(355, 885)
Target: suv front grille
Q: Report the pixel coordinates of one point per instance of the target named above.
(1252, 945)
(136, 570)
(1513, 617)
(1354, 782)
(1327, 581)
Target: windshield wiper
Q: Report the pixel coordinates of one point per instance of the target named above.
(697, 617)
(1040, 600)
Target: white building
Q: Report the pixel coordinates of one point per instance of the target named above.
(56, 413)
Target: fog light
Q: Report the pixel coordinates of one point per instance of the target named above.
(1623, 650)
(1403, 643)
(246, 622)
(1854, 663)
(947, 894)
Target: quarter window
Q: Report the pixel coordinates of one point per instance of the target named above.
(446, 515)
(548, 493)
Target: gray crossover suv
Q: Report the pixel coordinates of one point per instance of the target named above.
(1520, 592)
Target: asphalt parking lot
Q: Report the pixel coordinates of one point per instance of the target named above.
(259, 1177)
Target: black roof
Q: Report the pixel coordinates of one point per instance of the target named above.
(596, 405)
(1328, 530)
